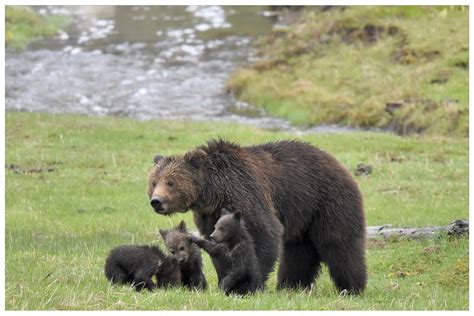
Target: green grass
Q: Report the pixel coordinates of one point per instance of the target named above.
(23, 25)
(61, 224)
(329, 68)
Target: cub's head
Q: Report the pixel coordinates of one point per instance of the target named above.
(177, 242)
(175, 182)
(227, 227)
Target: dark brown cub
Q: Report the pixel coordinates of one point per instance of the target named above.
(233, 253)
(187, 254)
(136, 265)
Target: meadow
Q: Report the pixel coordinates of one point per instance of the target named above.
(75, 188)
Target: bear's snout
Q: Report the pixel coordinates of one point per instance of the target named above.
(214, 237)
(157, 204)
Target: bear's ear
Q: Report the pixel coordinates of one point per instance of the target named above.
(196, 158)
(157, 159)
(225, 211)
(163, 233)
(237, 215)
(182, 226)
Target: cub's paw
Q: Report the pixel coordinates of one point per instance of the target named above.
(193, 238)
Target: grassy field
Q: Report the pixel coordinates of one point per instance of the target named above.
(403, 68)
(23, 25)
(77, 189)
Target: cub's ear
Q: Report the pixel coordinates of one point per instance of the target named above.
(237, 215)
(225, 211)
(182, 226)
(163, 233)
(196, 158)
(157, 159)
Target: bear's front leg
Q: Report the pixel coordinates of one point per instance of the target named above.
(141, 282)
(267, 235)
(210, 247)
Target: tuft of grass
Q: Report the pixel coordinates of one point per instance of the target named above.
(23, 25)
(82, 192)
(402, 68)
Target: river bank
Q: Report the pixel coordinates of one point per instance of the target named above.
(403, 69)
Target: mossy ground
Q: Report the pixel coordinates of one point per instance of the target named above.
(23, 25)
(85, 194)
(401, 68)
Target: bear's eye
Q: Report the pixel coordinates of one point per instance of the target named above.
(220, 228)
(153, 183)
(181, 248)
(172, 252)
(170, 183)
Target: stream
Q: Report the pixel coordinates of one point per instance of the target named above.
(143, 62)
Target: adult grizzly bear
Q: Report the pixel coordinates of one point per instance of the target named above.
(287, 191)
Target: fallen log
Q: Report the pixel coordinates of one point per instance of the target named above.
(457, 227)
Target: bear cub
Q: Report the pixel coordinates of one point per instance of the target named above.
(187, 254)
(233, 253)
(136, 265)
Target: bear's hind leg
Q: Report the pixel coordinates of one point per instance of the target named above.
(116, 275)
(300, 265)
(347, 267)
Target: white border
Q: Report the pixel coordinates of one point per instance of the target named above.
(211, 2)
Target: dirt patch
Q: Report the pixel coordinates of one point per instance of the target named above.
(439, 80)
(431, 249)
(376, 243)
(18, 169)
(406, 55)
(263, 65)
(398, 158)
(363, 169)
(368, 33)
(464, 64)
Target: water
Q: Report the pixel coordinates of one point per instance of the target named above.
(143, 62)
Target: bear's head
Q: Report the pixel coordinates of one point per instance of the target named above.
(177, 242)
(227, 227)
(175, 182)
